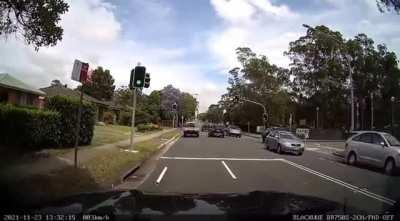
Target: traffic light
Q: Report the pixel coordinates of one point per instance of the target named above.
(138, 77)
(147, 80)
(174, 106)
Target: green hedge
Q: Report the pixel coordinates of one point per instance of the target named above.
(68, 109)
(147, 127)
(29, 128)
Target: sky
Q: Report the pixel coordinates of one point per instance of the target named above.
(187, 43)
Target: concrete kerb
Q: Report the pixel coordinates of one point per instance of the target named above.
(138, 165)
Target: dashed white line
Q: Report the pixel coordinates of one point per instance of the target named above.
(229, 170)
(161, 175)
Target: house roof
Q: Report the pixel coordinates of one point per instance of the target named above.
(64, 91)
(8, 81)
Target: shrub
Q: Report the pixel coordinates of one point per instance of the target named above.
(29, 128)
(68, 109)
(108, 117)
(125, 118)
(147, 127)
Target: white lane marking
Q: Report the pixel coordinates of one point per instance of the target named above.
(347, 185)
(229, 170)
(334, 180)
(161, 175)
(220, 158)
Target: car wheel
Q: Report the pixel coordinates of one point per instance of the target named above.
(300, 153)
(266, 146)
(389, 167)
(352, 159)
(263, 139)
(279, 149)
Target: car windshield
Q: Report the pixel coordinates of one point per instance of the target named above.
(287, 136)
(278, 106)
(393, 141)
(190, 125)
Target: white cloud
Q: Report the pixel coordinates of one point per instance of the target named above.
(267, 28)
(93, 34)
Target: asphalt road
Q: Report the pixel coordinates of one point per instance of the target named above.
(240, 165)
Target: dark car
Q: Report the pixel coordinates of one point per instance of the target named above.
(216, 132)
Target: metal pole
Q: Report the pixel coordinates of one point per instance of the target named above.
(351, 96)
(317, 123)
(173, 120)
(133, 116)
(372, 111)
(77, 130)
(248, 126)
(392, 122)
(358, 115)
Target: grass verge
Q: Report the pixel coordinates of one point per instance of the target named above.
(99, 173)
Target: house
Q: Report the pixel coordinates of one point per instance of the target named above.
(16, 92)
(101, 106)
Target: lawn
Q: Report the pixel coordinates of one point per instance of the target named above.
(102, 171)
(110, 134)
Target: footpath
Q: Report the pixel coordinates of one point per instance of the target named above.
(51, 163)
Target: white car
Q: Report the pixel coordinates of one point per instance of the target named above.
(190, 129)
(235, 131)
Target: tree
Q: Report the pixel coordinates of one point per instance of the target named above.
(320, 74)
(387, 5)
(188, 106)
(259, 80)
(169, 96)
(56, 83)
(101, 85)
(36, 20)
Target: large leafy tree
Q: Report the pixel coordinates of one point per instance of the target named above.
(101, 84)
(36, 20)
(259, 80)
(387, 5)
(320, 75)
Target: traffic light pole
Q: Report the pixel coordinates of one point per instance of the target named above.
(259, 104)
(133, 116)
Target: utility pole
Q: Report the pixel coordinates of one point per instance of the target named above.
(248, 126)
(317, 122)
(392, 99)
(261, 105)
(372, 111)
(358, 114)
(351, 94)
(133, 116)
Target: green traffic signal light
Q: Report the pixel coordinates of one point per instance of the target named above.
(139, 75)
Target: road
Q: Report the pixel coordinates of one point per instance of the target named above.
(240, 165)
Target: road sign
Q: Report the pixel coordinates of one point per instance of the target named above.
(80, 71)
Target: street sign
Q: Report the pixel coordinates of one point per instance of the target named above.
(80, 71)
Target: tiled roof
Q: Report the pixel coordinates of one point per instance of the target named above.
(9, 81)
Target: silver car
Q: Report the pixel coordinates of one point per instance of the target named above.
(374, 148)
(284, 142)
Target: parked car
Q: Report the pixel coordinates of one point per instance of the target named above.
(216, 132)
(190, 129)
(284, 142)
(379, 149)
(235, 131)
(265, 133)
(205, 127)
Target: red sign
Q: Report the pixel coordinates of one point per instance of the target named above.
(80, 71)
